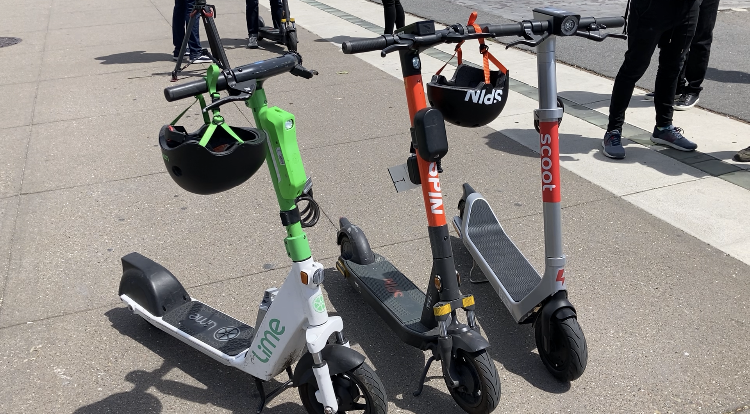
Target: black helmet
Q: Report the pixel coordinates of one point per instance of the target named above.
(466, 100)
(221, 164)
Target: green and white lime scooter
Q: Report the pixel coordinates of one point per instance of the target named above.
(293, 324)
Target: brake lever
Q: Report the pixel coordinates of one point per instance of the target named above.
(394, 47)
(299, 70)
(231, 98)
(528, 35)
(596, 36)
(530, 42)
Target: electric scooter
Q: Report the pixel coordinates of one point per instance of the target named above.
(284, 31)
(292, 324)
(530, 298)
(425, 321)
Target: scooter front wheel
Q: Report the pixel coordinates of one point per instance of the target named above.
(291, 41)
(568, 353)
(480, 391)
(357, 391)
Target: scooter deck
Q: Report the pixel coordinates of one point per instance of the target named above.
(396, 292)
(503, 258)
(212, 327)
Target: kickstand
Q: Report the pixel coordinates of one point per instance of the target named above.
(423, 378)
(271, 395)
(482, 280)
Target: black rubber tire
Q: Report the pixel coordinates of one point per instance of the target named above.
(560, 104)
(568, 353)
(261, 23)
(480, 367)
(367, 384)
(291, 41)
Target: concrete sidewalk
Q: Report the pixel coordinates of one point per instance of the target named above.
(657, 259)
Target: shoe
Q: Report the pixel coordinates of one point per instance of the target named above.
(201, 59)
(612, 145)
(672, 137)
(174, 56)
(650, 96)
(743, 155)
(685, 101)
(252, 42)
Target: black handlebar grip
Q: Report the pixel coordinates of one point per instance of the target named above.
(610, 22)
(364, 45)
(516, 29)
(258, 70)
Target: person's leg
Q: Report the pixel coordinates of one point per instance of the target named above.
(251, 17)
(194, 41)
(674, 45)
(642, 41)
(178, 25)
(400, 17)
(389, 11)
(700, 49)
(277, 11)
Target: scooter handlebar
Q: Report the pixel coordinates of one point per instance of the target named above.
(259, 70)
(367, 45)
(609, 22)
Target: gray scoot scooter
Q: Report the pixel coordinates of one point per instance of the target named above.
(531, 298)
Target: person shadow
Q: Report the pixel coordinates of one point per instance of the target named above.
(225, 387)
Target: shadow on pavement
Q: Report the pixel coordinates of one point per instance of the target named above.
(512, 345)
(727, 76)
(600, 100)
(225, 387)
(398, 365)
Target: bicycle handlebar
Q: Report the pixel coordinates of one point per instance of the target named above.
(259, 70)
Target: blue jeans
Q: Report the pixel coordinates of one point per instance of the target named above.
(180, 19)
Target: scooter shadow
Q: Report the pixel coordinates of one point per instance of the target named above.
(398, 365)
(513, 345)
(225, 387)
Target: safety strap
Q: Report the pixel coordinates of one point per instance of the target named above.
(483, 49)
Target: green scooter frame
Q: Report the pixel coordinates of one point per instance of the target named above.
(331, 378)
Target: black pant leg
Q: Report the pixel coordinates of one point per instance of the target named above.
(277, 11)
(674, 46)
(642, 41)
(251, 15)
(694, 70)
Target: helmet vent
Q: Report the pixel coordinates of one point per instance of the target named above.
(177, 171)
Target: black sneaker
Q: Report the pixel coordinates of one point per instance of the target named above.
(685, 101)
(650, 96)
(672, 137)
(743, 155)
(612, 145)
(201, 59)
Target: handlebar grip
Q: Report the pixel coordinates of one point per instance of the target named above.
(364, 45)
(259, 70)
(610, 22)
(516, 29)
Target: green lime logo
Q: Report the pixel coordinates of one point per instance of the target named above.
(319, 304)
(165, 157)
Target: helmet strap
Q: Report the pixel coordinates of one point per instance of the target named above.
(485, 51)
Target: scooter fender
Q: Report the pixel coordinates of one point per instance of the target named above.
(338, 358)
(362, 253)
(557, 307)
(469, 341)
(151, 285)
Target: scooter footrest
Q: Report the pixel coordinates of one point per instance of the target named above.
(508, 264)
(399, 294)
(212, 327)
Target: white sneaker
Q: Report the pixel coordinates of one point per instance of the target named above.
(202, 59)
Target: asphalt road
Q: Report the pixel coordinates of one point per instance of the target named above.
(727, 83)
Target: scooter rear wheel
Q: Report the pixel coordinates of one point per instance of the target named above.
(351, 388)
(481, 390)
(568, 354)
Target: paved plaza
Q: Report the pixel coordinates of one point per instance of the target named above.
(658, 254)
